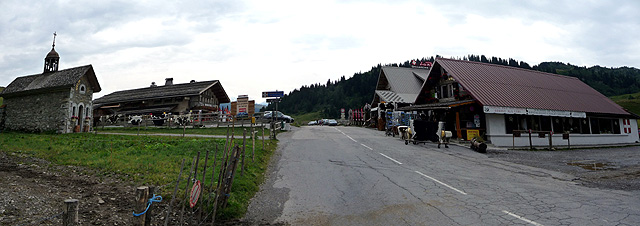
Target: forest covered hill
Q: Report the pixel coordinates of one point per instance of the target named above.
(359, 89)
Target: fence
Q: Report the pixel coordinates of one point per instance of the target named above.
(541, 134)
(176, 121)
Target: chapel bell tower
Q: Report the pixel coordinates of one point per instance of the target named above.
(52, 60)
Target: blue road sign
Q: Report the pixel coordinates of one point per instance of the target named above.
(272, 94)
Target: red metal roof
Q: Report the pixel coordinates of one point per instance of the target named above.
(497, 85)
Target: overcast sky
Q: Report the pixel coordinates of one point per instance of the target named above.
(255, 46)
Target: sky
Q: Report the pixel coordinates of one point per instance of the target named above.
(256, 46)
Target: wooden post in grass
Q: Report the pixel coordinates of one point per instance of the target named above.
(202, 182)
(213, 174)
(262, 136)
(173, 197)
(253, 145)
(140, 205)
(186, 191)
(244, 145)
(70, 215)
(195, 178)
(150, 193)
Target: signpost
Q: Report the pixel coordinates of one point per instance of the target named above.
(276, 93)
(274, 115)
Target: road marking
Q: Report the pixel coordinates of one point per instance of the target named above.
(399, 163)
(367, 147)
(522, 218)
(351, 138)
(449, 186)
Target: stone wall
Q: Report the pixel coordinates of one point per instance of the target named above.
(38, 112)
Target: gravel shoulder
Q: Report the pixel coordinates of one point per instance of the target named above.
(606, 168)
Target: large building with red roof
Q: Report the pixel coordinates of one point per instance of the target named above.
(504, 104)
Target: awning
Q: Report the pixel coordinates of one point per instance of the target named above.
(437, 106)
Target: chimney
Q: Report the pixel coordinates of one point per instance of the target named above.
(153, 84)
(168, 81)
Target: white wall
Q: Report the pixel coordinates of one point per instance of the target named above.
(496, 133)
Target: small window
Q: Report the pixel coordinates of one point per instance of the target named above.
(82, 89)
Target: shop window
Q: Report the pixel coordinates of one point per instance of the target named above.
(584, 125)
(557, 124)
(545, 123)
(444, 91)
(616, 126)
(511, 123)
(607, 126)
(595, 125)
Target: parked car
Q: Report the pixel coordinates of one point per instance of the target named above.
(332, 122)
(258, 115)
(242, 115)
(312, 123)
(279, 116)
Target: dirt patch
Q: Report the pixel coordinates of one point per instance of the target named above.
(32, 192)
(608, 168)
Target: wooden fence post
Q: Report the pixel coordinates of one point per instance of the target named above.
(253, 145)
(173, 197)
(147, 218)
(70, 215)
(140, 205)
(244, 145)
(186, 190)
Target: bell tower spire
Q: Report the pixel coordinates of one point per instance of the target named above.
(52, 59)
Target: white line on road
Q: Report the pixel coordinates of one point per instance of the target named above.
(522, 218)
(367, 147)
(396, 161)
(449, 186)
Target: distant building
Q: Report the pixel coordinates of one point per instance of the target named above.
(396, 87)
(502, 104)
(168, 98)
(55, 100)
(243, 105)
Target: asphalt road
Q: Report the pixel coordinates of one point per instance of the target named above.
(355, 176)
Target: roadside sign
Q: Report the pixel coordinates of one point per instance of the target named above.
(272, 94)
(195, 193)
(273, 100)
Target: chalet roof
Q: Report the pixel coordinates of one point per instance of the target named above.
(503, 86)
(399, 84)
(393, 97)
(52, 80)
(166, 91)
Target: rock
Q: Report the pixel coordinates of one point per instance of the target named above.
(100, 201)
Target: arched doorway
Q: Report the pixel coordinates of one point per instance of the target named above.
(80, 117)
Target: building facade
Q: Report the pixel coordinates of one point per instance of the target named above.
(172, 98)
(54, 101)
(504, 105)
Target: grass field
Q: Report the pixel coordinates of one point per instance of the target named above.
(629, 101)
(302, 120)
(149, 160)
